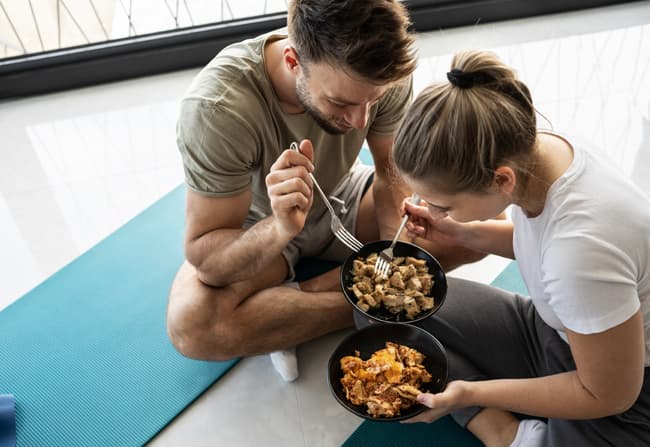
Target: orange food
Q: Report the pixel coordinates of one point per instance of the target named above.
(388, 382)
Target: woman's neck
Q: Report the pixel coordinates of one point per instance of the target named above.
(553, 156)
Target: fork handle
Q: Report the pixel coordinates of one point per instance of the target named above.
(415, 199)
(294, 147)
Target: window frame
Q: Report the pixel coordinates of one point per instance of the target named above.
(184, 48)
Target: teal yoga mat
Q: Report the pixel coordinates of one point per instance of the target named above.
(86, 354)
(442, 433)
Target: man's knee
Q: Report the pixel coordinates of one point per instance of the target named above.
(204, 340)
(197, 326)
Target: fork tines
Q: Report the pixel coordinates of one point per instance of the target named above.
(348, 239)
(382, 265)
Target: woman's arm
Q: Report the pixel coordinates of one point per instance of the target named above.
(491, 236)
(389, 192)
(607, 381)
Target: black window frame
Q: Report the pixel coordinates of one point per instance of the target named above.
(179, 49)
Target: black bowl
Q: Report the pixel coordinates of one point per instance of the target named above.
(373, 338)
(439, 290)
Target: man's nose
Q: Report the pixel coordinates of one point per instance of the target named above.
(358, 116)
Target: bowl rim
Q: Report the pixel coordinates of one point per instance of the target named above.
(422, 316)
(419, 408)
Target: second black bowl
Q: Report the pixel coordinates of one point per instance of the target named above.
(439, 290)
(373, 338)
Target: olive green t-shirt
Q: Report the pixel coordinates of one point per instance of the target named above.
(231, 128)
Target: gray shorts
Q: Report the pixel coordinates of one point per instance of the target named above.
(316, 239)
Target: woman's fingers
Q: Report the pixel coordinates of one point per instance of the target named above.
(415, 230)
(416, 210)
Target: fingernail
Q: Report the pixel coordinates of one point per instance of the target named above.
(421, 398)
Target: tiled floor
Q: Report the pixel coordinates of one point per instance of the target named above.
(74, 166)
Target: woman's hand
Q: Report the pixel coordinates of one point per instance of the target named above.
(441, 404)
(438, 227)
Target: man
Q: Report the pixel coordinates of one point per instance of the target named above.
(339, 75)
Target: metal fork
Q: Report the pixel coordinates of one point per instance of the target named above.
(382, 265)
(336, 226)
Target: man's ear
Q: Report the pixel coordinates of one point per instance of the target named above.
(290, 58)
(505, 179)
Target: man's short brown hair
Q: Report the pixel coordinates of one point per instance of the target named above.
(369, 37)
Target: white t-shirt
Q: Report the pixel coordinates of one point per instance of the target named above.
(586, 258)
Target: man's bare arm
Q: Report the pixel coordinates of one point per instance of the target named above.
(217, 245)
(389, 191)
(219, 248)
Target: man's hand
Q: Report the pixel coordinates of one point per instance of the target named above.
(290, 188)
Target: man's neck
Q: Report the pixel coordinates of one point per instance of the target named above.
(283, 81)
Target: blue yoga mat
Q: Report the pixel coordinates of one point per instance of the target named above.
(86, 354)
(442, 433)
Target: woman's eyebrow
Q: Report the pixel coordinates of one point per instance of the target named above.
(438, 207)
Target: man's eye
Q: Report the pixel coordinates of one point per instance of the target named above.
(338, 104)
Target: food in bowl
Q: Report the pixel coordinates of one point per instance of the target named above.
(406, 289)
(388, 382)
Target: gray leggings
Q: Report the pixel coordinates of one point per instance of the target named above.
(490, 334)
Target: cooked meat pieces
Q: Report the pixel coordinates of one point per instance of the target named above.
(405, 291)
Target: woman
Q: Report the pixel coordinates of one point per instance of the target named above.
(573, 358)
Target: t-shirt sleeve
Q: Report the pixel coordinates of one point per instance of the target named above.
(392, 108)
(218, 148)
(591, 283)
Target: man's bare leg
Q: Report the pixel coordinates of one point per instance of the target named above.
(253, 316)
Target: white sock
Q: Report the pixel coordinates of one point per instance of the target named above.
(285, 361)
(531, 433)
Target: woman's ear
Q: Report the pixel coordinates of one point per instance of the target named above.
(505, 179)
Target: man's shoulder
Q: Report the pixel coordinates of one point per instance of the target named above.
(236, 72)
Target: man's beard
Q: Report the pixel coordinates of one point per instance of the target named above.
(305, 100)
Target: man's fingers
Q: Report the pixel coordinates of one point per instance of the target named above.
(291, 185)
(307, 149)
(288, 202)
(289, 159)
(296, 172)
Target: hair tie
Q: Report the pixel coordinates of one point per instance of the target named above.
(461, 79)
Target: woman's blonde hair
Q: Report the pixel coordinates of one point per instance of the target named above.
(456, 133)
